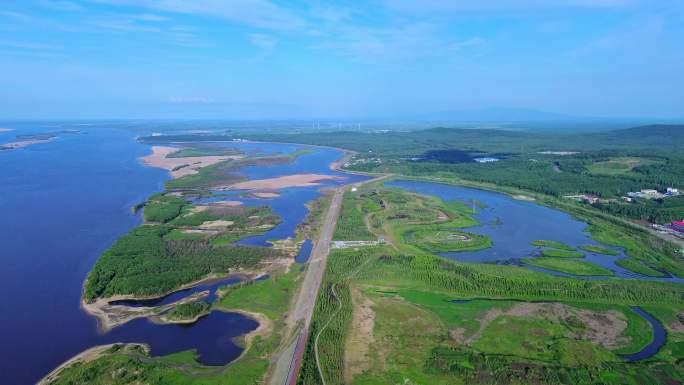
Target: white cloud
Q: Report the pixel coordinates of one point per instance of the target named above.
(68, 6)
(395, 44)
(438, 6)
(256, 13)
(150, 17)
(264, 42)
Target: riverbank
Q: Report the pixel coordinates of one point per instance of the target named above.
(84, 357)
(110, 316)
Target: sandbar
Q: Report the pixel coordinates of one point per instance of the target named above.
(179, 167)
(2, 129)
(296, 180)
(225, 203)
(266, 195)
(22, 144)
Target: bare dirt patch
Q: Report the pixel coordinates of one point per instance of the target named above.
(677, 325)
(360, 337)
(225, 204)
(521, 197)
(215, 225)
(603, 328)
(295, 180)
(457, 335)
(179, 167)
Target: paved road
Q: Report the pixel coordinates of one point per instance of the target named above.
(287, 365)
(288, 362)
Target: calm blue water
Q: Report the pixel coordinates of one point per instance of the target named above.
(304, 252)
(63, 203)
(512, 224)
(659, 336)
(180, 294)
(290, 205)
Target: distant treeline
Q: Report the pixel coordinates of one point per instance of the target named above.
(532, 161)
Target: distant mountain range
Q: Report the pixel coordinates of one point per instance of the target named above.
(503, 115)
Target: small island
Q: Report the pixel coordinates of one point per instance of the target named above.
(186, 313)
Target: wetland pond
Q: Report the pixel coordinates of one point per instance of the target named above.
(66, 201)
(513, 224)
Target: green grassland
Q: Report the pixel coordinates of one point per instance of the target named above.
(553, 253)
(552, 244)
(416, 328)
(520, 326)
(409, 221)
(599, 250)
(269, 296)
(569, 266)
(619, 166)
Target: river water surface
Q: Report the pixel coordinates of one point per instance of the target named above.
(63, 203)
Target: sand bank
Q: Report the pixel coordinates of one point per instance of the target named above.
(296, 180)
(225, 204)
(22, 144)
(265, 195)
(179, 167)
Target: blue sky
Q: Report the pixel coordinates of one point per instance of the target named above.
(312, 59)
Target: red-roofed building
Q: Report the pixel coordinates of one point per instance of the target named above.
(678, 226)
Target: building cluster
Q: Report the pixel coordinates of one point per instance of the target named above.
(586, 198)
(675, 228)
(678, 226)
(653, 194)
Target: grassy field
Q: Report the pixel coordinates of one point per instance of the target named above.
(619, 166)
(553, 253)
(568, 266)
(417, 329)
(599, 250)
(552, 244)
(398, 314)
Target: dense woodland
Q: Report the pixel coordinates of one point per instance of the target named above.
(524, 165)
(144, 263)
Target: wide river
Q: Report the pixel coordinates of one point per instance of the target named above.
(63, 203)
